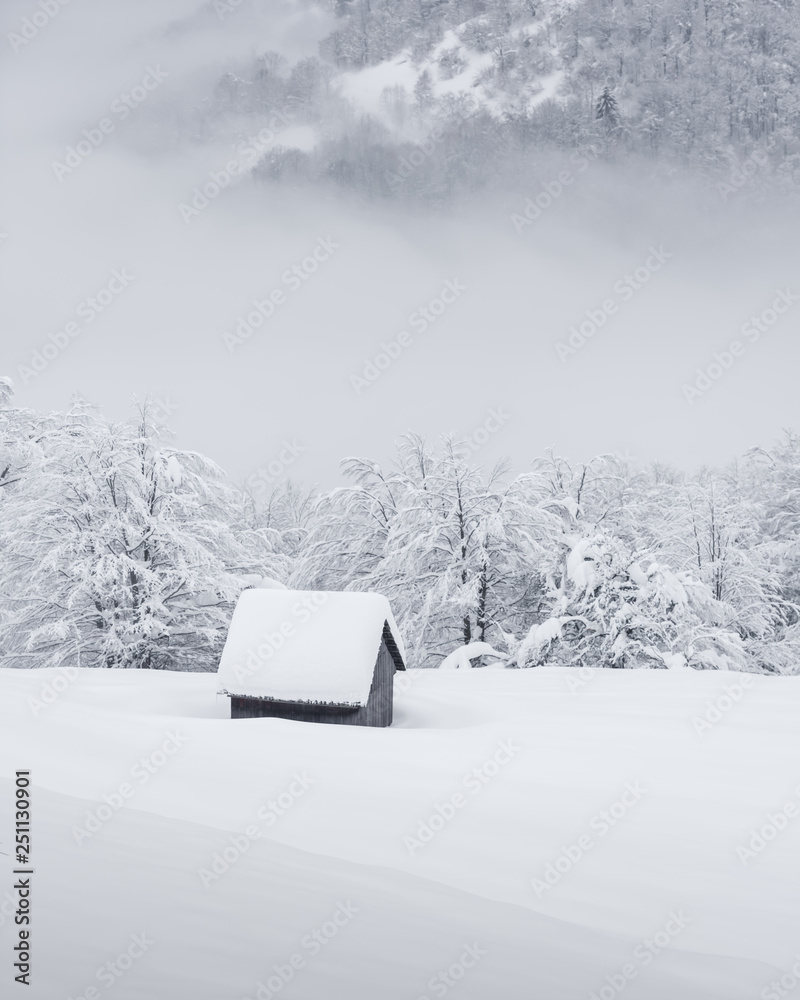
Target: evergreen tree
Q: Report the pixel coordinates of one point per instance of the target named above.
(606, 109)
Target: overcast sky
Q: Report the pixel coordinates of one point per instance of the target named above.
(181, 285)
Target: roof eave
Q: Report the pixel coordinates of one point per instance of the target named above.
(308, 703)
(391, 645)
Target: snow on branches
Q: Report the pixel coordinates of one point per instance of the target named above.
(108, 537)
(118, 550)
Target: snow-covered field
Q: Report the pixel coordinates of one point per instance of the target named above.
(351, 887)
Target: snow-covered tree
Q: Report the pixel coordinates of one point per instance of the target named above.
(119, 550)
(115, 550)
(447, 545)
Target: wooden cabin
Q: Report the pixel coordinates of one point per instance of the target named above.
(312, 656)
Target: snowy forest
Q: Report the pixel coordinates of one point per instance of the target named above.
(474, 94)
(120, 551)
(400, 499)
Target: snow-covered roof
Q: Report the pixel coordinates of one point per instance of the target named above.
(307, 646)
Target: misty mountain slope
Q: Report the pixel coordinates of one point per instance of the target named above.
(488, 86)
(461, 72)
(119, 823)
(197, 276)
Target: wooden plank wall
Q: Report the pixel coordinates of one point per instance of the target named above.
(377, 711)
(256, 708)
(379, 704)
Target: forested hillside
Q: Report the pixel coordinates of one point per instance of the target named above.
(121, 551)
(418, 99)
